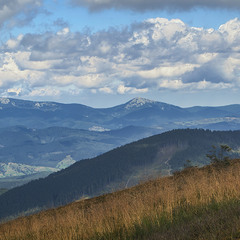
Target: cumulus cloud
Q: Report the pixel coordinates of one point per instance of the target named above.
(18, 12)
(105, 90)
(154, 54)
(143, 5)
(123, 90)
(47, 91)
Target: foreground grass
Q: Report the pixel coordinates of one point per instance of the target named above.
(193, 204)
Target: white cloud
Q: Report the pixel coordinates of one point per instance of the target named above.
(205, 57)
(64, 31)
(106, 90)
(154, 54)
(13, 43)
(14, 91)
(172, 84)
(22, 59)
(209, 85)
(86, 81)
(47, 91)
(165, 29)
(230, 30)
(168, 71)
(123, 90)
(18, 12)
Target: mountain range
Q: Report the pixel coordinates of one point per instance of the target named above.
(136, 112)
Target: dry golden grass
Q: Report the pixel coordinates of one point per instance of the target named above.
(184, 204)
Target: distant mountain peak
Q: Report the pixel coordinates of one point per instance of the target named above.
(138, 102)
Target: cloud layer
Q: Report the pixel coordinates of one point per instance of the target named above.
(143, 5)
(154, 54)
(18, 12)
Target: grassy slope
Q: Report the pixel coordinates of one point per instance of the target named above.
(197, 203)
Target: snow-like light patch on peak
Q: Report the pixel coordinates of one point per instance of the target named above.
(4, 100)
(138, 102)
(44, 104)
(38, 105)
(66, 162)
(16, 169)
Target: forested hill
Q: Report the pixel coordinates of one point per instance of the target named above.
(119, 168)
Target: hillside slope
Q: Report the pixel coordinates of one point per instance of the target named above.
(119, 168)
(197, 203)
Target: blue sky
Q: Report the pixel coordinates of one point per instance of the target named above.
(106, 52)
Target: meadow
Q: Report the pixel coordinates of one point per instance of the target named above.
(196, 203)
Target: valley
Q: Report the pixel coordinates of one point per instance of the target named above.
(26, 151)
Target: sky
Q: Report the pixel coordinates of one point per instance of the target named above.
(103, 53)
